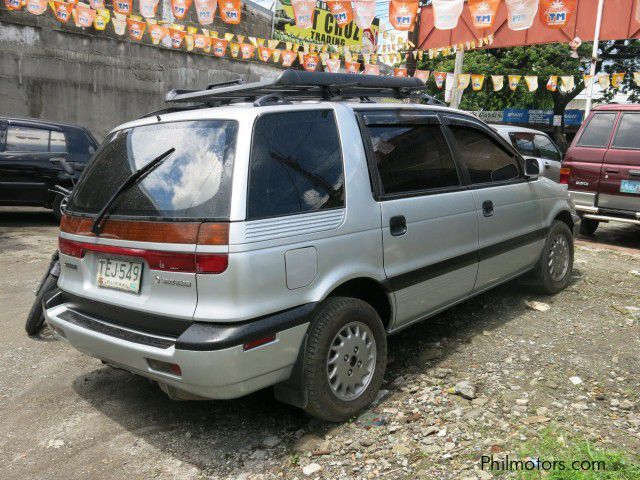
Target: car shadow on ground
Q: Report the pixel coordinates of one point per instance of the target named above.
(617, 236)
(205, 433)
(24, 217)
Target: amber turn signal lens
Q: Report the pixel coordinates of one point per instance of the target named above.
(213, 234)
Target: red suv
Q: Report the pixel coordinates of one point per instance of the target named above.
(602, 167)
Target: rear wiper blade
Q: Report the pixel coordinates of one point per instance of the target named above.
(134, 178)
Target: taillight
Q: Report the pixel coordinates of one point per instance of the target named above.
(565, 173)
(211, 263)
(71, 248)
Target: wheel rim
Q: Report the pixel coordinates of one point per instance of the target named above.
(558, 257)
(351, 361)
(63, 204)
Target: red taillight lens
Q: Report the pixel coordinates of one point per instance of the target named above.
(211, 263)
(71, 248)
(565, 173)
(259, 342)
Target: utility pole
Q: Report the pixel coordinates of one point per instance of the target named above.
(456, 95)
(594, 59)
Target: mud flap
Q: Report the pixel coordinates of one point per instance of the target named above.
(292, 391)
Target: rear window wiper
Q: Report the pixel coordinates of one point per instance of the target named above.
(134, 178)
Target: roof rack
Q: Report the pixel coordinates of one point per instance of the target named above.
(300, 85)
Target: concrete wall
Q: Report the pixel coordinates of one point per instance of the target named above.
(98, 80)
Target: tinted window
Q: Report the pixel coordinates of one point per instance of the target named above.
(485, 159)
(412, 158)
(628, 134)
(531, 144)
(80, 143)
(296, 164)
(598, 132)
(58, 143)
(27, 139)
(192, 182)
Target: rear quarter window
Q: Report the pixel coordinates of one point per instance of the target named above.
(598, 132)
(628, 134)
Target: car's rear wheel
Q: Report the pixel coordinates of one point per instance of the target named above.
(555, 266)
(345, 359)
(58, 205)
(588, 226)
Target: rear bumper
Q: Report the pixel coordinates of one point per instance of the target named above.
(585, 203)
(212, 359)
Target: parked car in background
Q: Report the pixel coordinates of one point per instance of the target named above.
(29, 154)
(602, 167)
(534, 144)
(222, 250)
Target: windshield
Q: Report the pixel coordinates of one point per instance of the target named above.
(193, 182)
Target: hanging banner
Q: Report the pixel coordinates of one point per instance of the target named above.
(288, 57)
(556, 13)
(604, 80)
(371, 69)
(205, 11)
(617, 79)
(62, 11)
(552, 83)
(219, 47)
(636, 78)
(402, 13)
(483, 12)
(177, 36)
(36, 7)
(303, 12)
(123, 6)
(85, 16)
(158, 32)
(477, 82)
(588, 80)
(13, 4)
(521, 13)
(498, 82)
(148, 8)
(514, 81)
(276, 55)
(568, 83)
(342, 12)
(439, 77)
(333, 65)
(264, 53)
(119, 25)
(364, 11)
(247, 50)
(446, 13)
(352, 67)
(532, 82)
(230, 11)
(310, 62)
(463, 81)
(422, 75)
(400, 72)
(234, 48)
(102, 18)
(96, 4)
(179, 8)
(136, 28)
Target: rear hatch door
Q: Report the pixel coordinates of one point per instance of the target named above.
(620, 175)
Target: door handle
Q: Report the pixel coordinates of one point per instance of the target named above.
(487, 208)
(398, 225)
(546, 165)
(611, 170)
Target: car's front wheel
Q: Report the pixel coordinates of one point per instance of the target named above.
(345, 359)
(555, 266)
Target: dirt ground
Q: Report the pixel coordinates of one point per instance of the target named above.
(574, 368)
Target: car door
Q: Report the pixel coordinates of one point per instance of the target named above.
(508, 211)
(26, 169)
(620, 175)
(81, 147)
(429, 221)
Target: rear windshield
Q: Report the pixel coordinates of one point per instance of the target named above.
(192, 182)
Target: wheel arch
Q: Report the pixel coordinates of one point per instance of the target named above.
(370, 291)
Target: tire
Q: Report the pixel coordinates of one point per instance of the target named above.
(56, 206)
(35, 319)
(588, 226)
(553, 278)
(338, 315)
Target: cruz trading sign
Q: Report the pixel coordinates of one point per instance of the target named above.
(325, 28)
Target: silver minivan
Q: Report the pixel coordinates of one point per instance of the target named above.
(274, 234)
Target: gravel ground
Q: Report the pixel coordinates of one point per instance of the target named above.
(530, 362)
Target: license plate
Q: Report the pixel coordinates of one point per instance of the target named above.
(630, 186)
(119, 274)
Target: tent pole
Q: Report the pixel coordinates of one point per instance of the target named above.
(594, 59)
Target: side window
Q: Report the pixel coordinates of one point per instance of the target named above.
(546, 148)
(58, 142)
(80, 143)
(485, 159)
(3, 136)
(598, 131)
(296, 164)
(27, 139)
(412, 158)
(627, 134)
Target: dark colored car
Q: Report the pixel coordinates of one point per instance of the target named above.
(30, 151)
(602, 167)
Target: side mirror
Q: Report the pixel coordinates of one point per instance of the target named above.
(531, 168)
(65, 166)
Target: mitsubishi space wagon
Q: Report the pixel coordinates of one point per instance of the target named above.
(273, 234)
